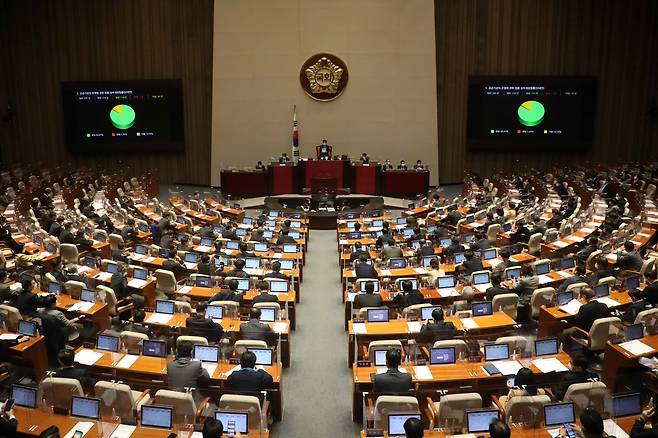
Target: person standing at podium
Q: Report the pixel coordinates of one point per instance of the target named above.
(324, 150)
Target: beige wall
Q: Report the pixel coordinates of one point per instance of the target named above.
(388, 108)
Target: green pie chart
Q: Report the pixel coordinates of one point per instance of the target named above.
(531, 113)
(122, 116)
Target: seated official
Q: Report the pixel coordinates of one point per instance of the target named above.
(392, 380)
(427, 249)
(260, 166)
(264, 295)
(413, 428)
(402, 165)
(248, 378)
(455, 247)
(357, 251)
(244, 252)
(582, 255)
(205, 266)
(419, 165)
(629, 258)
(468, 295)
(276, 272)
(640, 429)
(369, 298)
(323, 150)
(255, 329)
(481, 242)
(577, 374)
(471, 263)
(363, 269)
(434, 271)
(284, 158)
(591, 426)
(390, 250)
(68, 370)
(408, 296)
(525, 384)
(200, 325)
(387, 165)
(285, 237)
(129, 232)
(499, 429)
(8, 423)
(183, 372)
(578, 277)
(50, 308)
(496, 288)
(238, 270)
(590, 311)
(365, 159)
(173, 264)
(230, 294)
(137, 324)
(28, 302)
(452, 217)
(119, 282)
(438, 324)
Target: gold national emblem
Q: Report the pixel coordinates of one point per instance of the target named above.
(323, 76)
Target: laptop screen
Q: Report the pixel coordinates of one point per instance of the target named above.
(157, 416)
(85, 407)
(602, 290)
(88, 295)
(163, 253)
(252, 262)
(542, 268)
(295, 224)
(243, 284)
(470, 218)
(415, 244)
(154, 348)
(206, 353)
(203, 281)
(287, 265)
(468, 238)
(507, 227)
(626, 404)
(27, 328)
(234, 420)
(512, 273)
(268, 233)
(380, 357)
(378, 223)
(481, 278)
(247, 220)
(426, 312)
(362, 285)
(107, 343)
(278, 286)
(633, 282)
(162, 306)
(482, 308)
(206, 241)
(54, 288)
(240, 232)
(112, 268)
(427, 260)
(260, 247)
(190, 257)
(564, 298)
(140, 274)
(267, 314)
(446, 282)
(635, 331)
(215, 312)
(396, 423)
(489, 254)
(273, 213)
(232, 244)
(479, 421)
(264, 356)
(496, 352)
(442, 356)
(408, 232)
(401, 220)
(221, 260)
(559, 413)
(24, 396)
(289, 248)
(545, 347)
(89, 262)
(445, 241)
(397, 263)
(413, 281)
(459, 258)
(141, 249)
(143, 227)
(567, 263)
(377, 315)
(294, 234)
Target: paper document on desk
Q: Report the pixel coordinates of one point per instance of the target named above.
(644, 234)
(385, 272)
(149, 259)
(87, 357)
(127, 361)
(549, 365)
(80, 307)
(123, 431)
(636, 347)
(586, 230)
(277, 255)
(343, 242)
(382, 370)
(203, 249)
(82, 426)
(635, 242)
(507, 367)
(420, 271)
(159, 318)
(137, 283)
(494, 262)
(103, 276)
(469, 323)
(413, 326)
(560, 244)
(543, 279)
(15, 287)
(607, 301)
(45, 254)
(83, 269)
(359, 328)
(279, 327)
(190, 265)
(9, 337)
(185, 289)
(612, 429)
(350, 296)
(253, 271)
(576, 239)
(571, 307)
(423, 373)
(554, 432)
(448, 292)
(564, 274)
(210, 367)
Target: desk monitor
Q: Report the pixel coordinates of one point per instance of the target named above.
(270, 223)
(377, 315)
(624, 405)
(379, 234)
(266, 234)
(634, 331)
(143, 227)
(88, 295)
(233, 244)
(496, 352)
(287, 264)
(264, 356)
(556, 414)
(507, 227)
(445, 242)
(107, 343)
(86, 407)
(202, 281)
(602, 290)
(252, 262)
(414, 283)
(27, 328)
(564, 298)
(447, 281)
(236, 420)
(427, 261)
(402, 220)
(542, 268)
(24, 396)
(468, 238)
(633, 282)
(240, 232)
(268, 314)
(154, 348)
(350, 224)
(396, 422)
(37, 239)
(273, 213)
(397, 263)
(431, 229)
(206, 353)
(157, 416)
(470, 218)
(567, 262)
(489, 254)
(459, 258)
(112, 268)
(99, 237)
(222, 260)
(190, 257)
(247, 220)
(480, 420)
(54, 287)
(515, 249)
(415, 244)
(482, 308)
(214, 312)
(295, 224)
(481, 278)
(261, 247)
(377, 223)
(295, 234)
(140, 274)
(380, 357)
(362, 285)
(89, 262)
(512, 273)
(442, 356)
(289, 248)
(163, 253)
(180, 220)
(165, 306)
(426, 312)
(141, 249)
(205, 241)
(546, 347)
(278, 286)
(243, 284)
(406, 232)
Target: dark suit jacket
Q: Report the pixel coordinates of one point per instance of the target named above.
(173, 266)
(80, 374)
(285, 239)
(119, 285)
(392, 381)
(496, 290)
(257, 330)
(590, 312)
(364, 270)
(27, 303)
(367, 300)
(66, 237)
(356, 254)
(55, 229)
(453, 217)
(452, 249)
(570, 378)
(470, 266)
(265, 298)
(223, 295)
(237, 273)
(138, 328)
(404, 300)
(446, 329)
(206, 268)
(568, 281)
(426, 250)
(204, 327)
(128, 233)
(639, 431)
(277, 275)
(249, 380)
(184, 372)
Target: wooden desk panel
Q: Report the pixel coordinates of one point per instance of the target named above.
(32, 351)
(617, 358)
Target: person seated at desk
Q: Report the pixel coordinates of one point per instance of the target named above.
(183, 372)
(129, 232)
(438, 324)
(137, 324)
(390, 250)
(323, 150)
(526, 285)
(8, 423)
(590, 311)
(82, 242)
(243, 251)
(56, 227)
(66, 236)
(256, 330)
(640, 430)
(257, 234)
(413, 428)
(642, 299)
(264, 296)
(357, 251)
(578, 277)
(205, 266)
(452, 217)
(363, 269)
(555, 220)
(68, 370)
(50, 308)
(28, 302)
(200, 325)
(419, 165)
(496, 288)
(471, 263)
(229, 232)
(284, 237)
(260, 166)
(230, 294)
(276, 271)
(629, 258)
(427, 249)
(207, 231)
(402, 165)
(525, 384)
(577, 374)
(601, 270)
(238, 270)
(392, 381)
(173, 264)
(248, 378)
(504, 254)
(408, 296)
(284, 158)
(386, 234)
(365, 159)
(6, 294)
(213, 428)
(480, 242)
(591, 426)
(499, 429)
(418, 233)
(454, 247)
(369, 298)
(387, 165)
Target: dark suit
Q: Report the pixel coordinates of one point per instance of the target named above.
(590, 312)
(403, 300)
(277, 275)
(584, 253)
(453, 217)
(55, 229)
(80, 374)
(128, 233)
(119, 285)
(256, 330)
(639, 430)
(367, 300)
(426, 250)
(27, 303)
(480, 245)
(265, 297)
(285, 239)
(184, 372)
(201, 326)
(445, 329)
(356, 254)
(224, 295)
(173, 266)
(66, 237)
(206, 268)
(137, 328)
(237, 273)
(496, 290)
(364, 270)
(570, 378)
(630, 260)
(473, 265)
(452, 249)
(249, 380)
(569, 281)
(392, 381)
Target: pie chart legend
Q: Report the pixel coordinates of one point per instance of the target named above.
(531, 113)
(122, 116)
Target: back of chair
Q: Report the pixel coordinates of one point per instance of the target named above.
(578, 286)
(607, 280)
(384, 344)
(165, 281)
(115, 396)
(492, 232)
(452, 408)
(520, 344)
(110, 299)
(534, 243)
(590, 259)
(647, 317)
(57, 391)
(194, 340)
(507, 303)
(526, 409)
(132, 341)
(241, 345)
(600, 332)
(541, 297)
(230, 307)
(115, 242)
(182, 307)
(389, 404)
(68, 253)
(74, 288)
(182, 402)
(276, 306)
(244, 403)
(461, 349)
(648, 265)
(12, 316)
(415, 310)
(539, 262)
(587, 395)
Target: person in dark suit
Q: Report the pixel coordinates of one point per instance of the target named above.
(592, 245)
(56, 227)
(471, 264)
(365, 159)
(391, 250)
(452, 217)
(639, 429)
(6, 293)
(200, 325)
(119, 282)
(276, 272)
(248, 378)
(137, 324)
(426, 250)
(438, 324)
(183, 372)
(173, 264)
(363, 269)
(368, 299)
(230, 294)
(591, 311)
(577, 374)
(496, 288)
(555, 220)
(499, 429)
(629, 259)
(387, 165)
(207, 231)
(8, 424)
(129, 232)
(27, 302)
(206, 267)
(68, 370)
(284, 237)
(254, 329)
(386, 234)
(409, 296)
(402, 165)
(358, 250)
(66, 236)
(454, 248)
(392, 380)
(238, 270)
(481, 242)
(265, 296)
(419, 165)
(579, 277)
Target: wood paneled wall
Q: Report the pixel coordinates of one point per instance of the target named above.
(614, 40)
(46, 42)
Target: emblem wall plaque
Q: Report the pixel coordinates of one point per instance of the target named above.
(323, 76)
